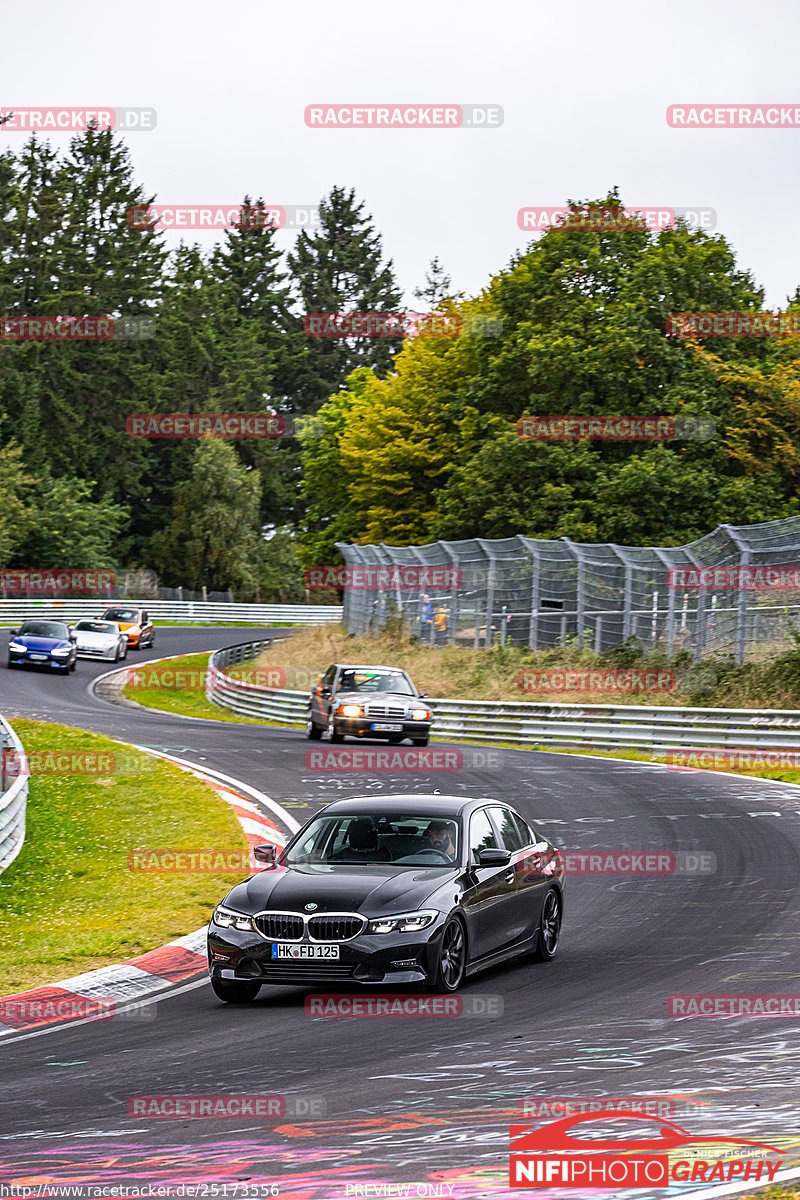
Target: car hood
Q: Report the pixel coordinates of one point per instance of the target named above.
(383, 698)
(87, 638)
(41, 643)
(370, 890)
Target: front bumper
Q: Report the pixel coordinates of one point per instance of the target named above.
(368, 959)
(362, 727)
(20, 659)
(108, 653)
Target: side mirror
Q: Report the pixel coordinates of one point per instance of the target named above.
(325, 690)
(423, 695)
(493, 857)
(265, 854)
(73, 637)
(13, 632)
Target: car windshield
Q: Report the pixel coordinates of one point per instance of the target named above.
(358, 680)
(121, 614)
(45, 629)
(401, 839)
(95, 627)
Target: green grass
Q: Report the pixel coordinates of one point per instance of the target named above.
(173, 695)
(69, 902)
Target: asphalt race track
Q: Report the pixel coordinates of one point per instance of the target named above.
(430, 1100)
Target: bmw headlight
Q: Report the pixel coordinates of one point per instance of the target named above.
(61, 653)
(410, 922)
(227, 918)
(350, 710)
(420, 714)
(17, 646)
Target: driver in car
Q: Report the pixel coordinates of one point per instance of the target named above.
(439, 836)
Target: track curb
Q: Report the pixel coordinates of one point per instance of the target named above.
(96, 995)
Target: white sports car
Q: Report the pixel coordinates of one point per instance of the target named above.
(101, 639)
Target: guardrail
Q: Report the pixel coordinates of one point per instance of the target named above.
(629, 726)
(13, 796)
(14, 611)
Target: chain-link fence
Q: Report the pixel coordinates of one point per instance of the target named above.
(735, 591)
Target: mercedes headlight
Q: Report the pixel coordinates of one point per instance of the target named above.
(350, 710)
(227, 918)
(420, 714)
(410, 922)
(17, 646)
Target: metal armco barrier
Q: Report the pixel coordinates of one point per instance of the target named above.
(14, 611)
(604, 726)
(13, 797)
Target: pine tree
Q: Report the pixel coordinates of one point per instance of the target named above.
(437, 286)
(340, 268)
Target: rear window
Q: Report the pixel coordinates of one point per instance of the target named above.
(122, 614)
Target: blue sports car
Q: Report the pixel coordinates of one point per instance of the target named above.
(43, 644)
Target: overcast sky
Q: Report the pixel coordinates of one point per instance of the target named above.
(584, 87)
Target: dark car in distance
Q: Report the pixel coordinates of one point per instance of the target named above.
(367, 702)
(399, 889)
(39, 643)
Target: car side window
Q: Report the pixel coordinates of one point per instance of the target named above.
(145, 618)
(328, 677)
(481, 835)
(527, 834)
(508, 828)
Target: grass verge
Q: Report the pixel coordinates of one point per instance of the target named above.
(69, 902)
(177, 685)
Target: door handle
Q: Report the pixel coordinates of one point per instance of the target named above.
(510, 876)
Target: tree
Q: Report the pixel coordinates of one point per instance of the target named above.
(214, 536)
(337, 269)
(70, 529)
(15, 516)
(437, 286)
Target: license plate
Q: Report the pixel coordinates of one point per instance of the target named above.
(39, 657)
(382, 727)
(291, 950)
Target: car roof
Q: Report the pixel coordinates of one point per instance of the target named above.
(404, 802)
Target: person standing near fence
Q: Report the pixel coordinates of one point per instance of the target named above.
(440, 623)
(426, 619)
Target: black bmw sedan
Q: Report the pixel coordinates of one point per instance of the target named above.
(389, 890)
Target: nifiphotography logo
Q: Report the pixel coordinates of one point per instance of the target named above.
(657, 1159)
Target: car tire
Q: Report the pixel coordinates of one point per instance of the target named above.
(73, 665)
(152, 641)
(124, 654)
(235, 991)
(313, 732)
(333, 733)
(451, 960)
(116, 656)
(549, 931)
(419, 741)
